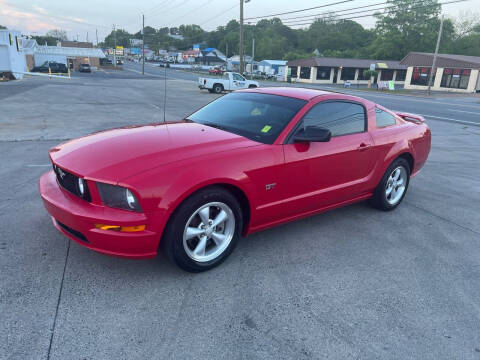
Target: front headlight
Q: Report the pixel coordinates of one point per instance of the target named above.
(118, 197)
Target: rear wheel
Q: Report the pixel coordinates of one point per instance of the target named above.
(217, 88)
(204, 230)
(393, 186)
(252, 86)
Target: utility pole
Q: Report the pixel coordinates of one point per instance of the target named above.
(96, 35)
(435, 56)
(241, 38)
(114, 46)
(226, 57)
(87, 36)
(143, 45)
(253, 55)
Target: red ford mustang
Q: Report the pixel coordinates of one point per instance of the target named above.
(245, 162)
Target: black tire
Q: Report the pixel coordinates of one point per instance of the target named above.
(172, 241)
(252, 86)
(217, 88)
(379, 199)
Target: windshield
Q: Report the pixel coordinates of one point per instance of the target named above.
(259, 117)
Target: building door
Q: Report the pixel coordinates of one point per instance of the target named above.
(335, 75)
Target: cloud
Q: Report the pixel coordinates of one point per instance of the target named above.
(15, 18)
(40, 10)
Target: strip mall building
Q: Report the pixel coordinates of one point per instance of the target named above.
(328, 70)
(455, 73)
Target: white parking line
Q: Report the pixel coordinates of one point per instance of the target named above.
(468, 112)
(38, 165)
(450, 119)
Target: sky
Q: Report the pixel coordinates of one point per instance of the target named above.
(35, 17)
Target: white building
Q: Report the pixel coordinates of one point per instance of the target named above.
(273, 67)
(12, 57)
(70, 56)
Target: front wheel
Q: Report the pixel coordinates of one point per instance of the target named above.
(204, 230)
(393, 186)
(252, 86)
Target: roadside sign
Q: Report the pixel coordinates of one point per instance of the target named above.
(119, 50)
(391, 85)
(372, 67)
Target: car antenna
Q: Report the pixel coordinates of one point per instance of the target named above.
(164, 91)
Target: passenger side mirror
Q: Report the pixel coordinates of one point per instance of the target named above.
(313, 134)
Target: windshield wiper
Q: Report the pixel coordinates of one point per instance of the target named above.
(214, 125)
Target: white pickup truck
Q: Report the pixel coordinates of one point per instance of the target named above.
(228, 82)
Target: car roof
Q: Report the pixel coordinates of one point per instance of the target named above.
(294, 92)
(306, 93)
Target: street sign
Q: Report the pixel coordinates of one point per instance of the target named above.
(372, 67)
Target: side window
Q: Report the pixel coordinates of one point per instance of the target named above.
(238, 77)
(383, 118)
(340, 117)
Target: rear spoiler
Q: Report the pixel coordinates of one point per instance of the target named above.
(417, 119)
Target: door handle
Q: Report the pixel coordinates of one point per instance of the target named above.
(364, 147)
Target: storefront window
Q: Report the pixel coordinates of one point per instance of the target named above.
(401, 75)
(293, 71)
(305, 72)
(348, 73)
(323, 73)
(420, 76)
(360, 74)
(386, 75)
(455, 78)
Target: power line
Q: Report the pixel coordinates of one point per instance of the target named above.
(333, 13)
(301, 10)
(338, 11)
(223, 12)
(190, 11)
(370, 15)
(164, 11)
(158, 5)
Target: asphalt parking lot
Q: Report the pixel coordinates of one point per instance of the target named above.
(354, 283)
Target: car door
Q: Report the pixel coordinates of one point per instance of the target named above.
(238, 82)
(321, 174)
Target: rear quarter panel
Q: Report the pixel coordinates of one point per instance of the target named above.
(393, 141)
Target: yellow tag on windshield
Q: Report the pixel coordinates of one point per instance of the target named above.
(266, 128)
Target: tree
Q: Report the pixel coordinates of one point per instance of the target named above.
(122, 36)
(2, 27)
(408, 26)
(59, 34)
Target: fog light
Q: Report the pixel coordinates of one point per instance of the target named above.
(121, 228)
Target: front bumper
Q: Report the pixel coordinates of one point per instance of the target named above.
(76, 219)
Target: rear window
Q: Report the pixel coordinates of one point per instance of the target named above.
(384, 118)
(259, 117)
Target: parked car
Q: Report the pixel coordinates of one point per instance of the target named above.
(106, 61)
(217, 70)
(53, 66)
(228, 82)
(119, 62)
(85, 68)
(164, 64)
(245, 162)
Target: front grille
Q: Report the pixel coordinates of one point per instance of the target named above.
(70, 183)
(72, 232)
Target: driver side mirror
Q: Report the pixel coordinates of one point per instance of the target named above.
(313, 134)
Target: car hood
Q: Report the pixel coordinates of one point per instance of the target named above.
(114, 155)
